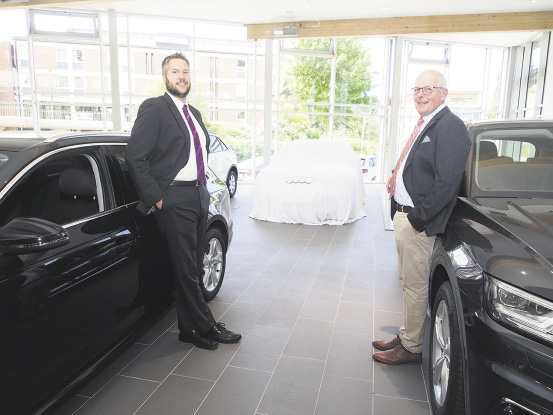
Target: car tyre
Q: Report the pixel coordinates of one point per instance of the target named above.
(445, 362)
(232, 183)
(215, 260)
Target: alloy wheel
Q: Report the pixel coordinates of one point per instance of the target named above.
(213, 264)
(232, 183)
(441, 351)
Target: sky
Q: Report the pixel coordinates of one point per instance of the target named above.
(12, 22)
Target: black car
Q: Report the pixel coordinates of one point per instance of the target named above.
(81, 271)
(491, 279)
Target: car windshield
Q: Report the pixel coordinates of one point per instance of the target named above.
(514, 162)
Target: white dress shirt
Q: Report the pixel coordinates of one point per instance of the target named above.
(401, 195)
(190, 171)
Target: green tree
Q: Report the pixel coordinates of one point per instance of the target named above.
(309, 82)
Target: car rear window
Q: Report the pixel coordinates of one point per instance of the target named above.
(515, 161)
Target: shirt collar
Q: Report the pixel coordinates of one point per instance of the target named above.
(177, 101)
(428, 117)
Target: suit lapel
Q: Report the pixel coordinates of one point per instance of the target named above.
(433, 121)
(178, 116)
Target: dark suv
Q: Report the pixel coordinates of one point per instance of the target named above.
(491, 280)
(80, 269)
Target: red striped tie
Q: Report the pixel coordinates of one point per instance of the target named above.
(404, 153)
(197, 145)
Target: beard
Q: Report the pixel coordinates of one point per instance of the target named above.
(172, 89)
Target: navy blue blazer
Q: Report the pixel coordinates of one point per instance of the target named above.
(159, 147)
(434, 170)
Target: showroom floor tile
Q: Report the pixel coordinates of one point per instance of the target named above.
(308, 301)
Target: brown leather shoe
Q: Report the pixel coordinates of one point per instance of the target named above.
(397, 356)
(384, 345)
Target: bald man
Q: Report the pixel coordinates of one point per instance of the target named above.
(423, 190)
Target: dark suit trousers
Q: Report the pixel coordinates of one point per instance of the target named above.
(182, 221)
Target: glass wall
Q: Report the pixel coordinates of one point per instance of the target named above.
(529, 93)
(333, 89)
(91, 71)
(476, 75)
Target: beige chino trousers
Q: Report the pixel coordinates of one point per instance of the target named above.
(414, 252)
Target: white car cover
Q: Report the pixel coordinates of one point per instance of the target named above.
(311, 182)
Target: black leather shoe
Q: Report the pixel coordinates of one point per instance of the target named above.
(219, 333)
(203, 342)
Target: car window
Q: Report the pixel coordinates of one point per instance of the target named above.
(130, 193)
(519, 162)
(62, 189)
(216, 144)
(224, 147)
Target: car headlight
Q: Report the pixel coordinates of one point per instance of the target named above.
(464, 264)
(514, 307)
(217, 196)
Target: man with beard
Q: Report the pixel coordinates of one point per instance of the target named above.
(167, 155)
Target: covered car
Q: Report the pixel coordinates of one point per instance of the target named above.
(311, 182)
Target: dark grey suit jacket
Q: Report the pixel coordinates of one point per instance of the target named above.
(159, 147)
(434, 170)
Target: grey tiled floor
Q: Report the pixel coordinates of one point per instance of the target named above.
(308, 301)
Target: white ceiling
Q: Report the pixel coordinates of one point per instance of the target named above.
(263, 11)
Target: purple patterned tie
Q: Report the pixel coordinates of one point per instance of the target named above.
(197, 145)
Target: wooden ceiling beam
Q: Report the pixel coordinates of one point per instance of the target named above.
(393, 26)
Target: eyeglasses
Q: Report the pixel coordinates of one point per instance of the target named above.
(426, 90)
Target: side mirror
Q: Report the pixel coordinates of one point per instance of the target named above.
(27, 235)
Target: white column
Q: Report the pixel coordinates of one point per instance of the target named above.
(114, 71)
(547, 111)
(268, 101)
(395, 99)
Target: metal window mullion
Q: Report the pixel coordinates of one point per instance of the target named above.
(102, 77)
(32, 75)
(508, 84)
(277, 95)
(486, 83)
(334, 48)
(130, 78)
(401, 60)
(267, 100)
(114, 70)
(254, 118)
(385, 120)
(525, 75)
(540, 86)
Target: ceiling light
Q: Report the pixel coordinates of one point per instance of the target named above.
(285, 32)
